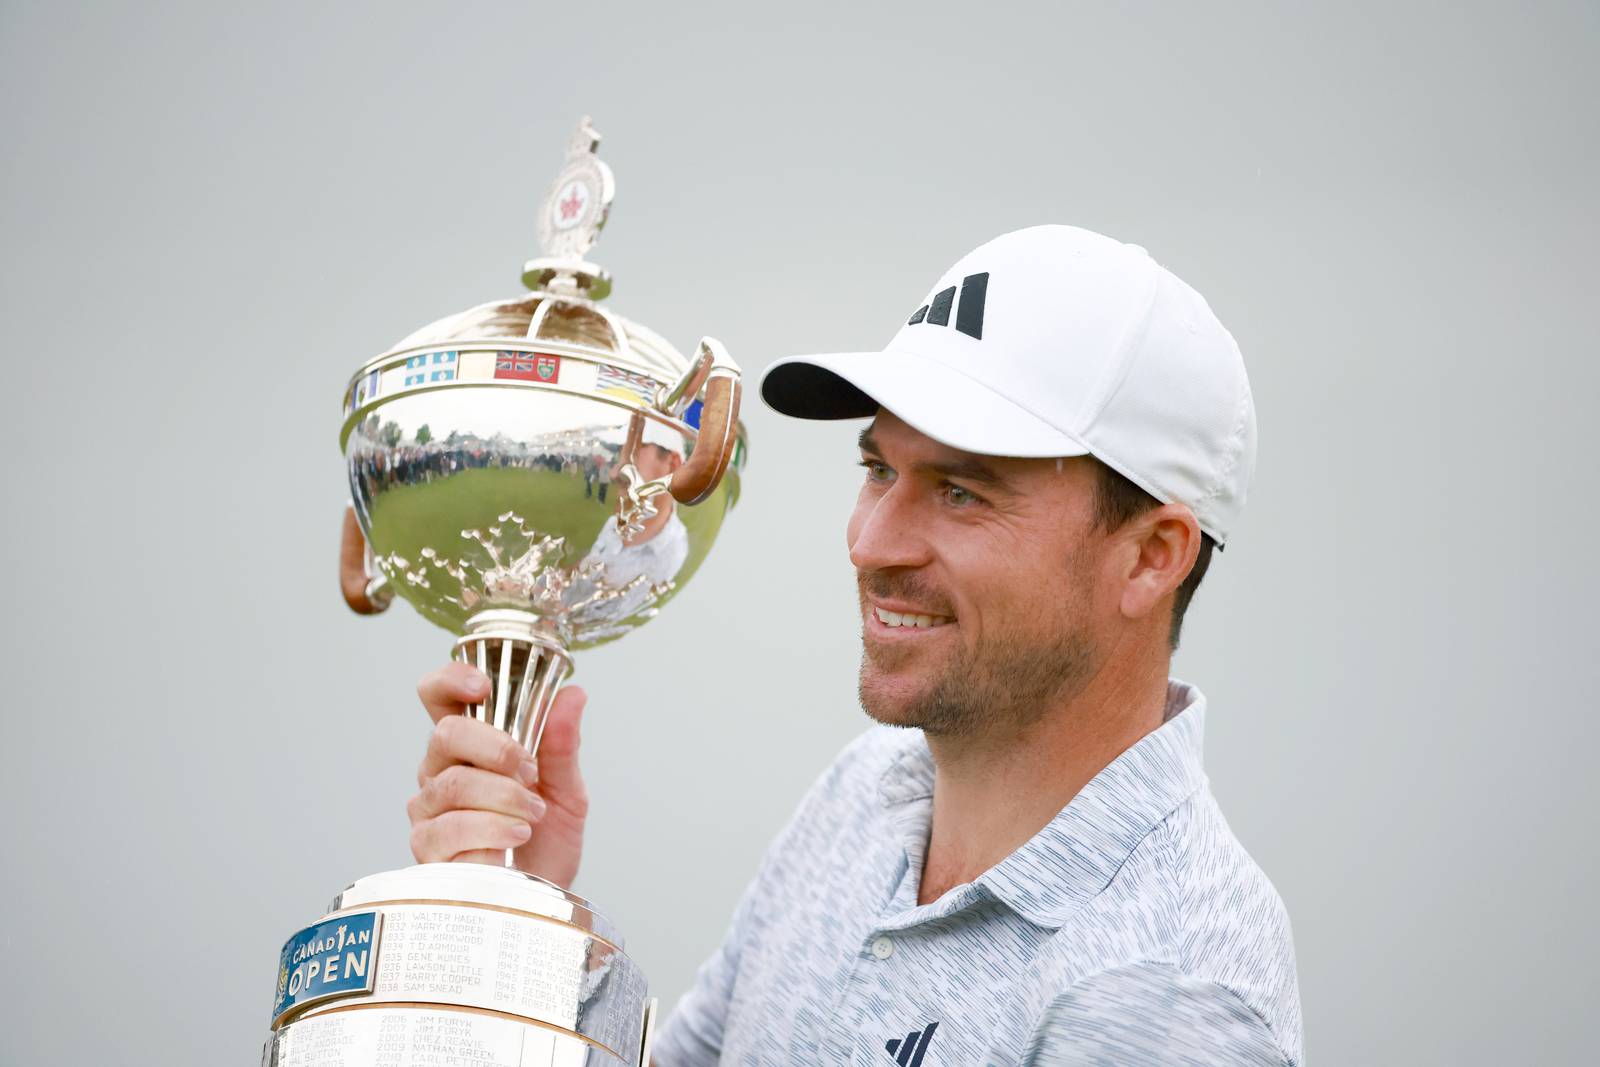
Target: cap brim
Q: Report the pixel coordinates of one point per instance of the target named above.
(927, 395)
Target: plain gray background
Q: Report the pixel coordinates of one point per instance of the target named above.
(212, 215)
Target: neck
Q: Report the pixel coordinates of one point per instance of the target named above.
(994, 792)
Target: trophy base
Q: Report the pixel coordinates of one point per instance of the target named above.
(447, 963)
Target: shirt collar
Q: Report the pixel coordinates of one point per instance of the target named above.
(1076, 854)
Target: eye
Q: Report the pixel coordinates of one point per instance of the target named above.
(959, 497)
(877, 471)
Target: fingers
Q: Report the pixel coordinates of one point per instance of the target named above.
(475, 801)
(443, 838)
(481, 794)
(464, 787)
(448, 690)
(458, 739)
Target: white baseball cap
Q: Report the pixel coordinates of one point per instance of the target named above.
(1055, 341)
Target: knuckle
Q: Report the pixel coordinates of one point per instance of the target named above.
(449, 730)
(419, 843)
(452, 786)
(438, 750)
(428, 685)
(439, 792)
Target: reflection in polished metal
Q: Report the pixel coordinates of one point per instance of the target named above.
(536, 475)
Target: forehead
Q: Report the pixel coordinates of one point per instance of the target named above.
(888, 430)
(903, 445)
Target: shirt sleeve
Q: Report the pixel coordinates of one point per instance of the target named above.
(1149, 1013)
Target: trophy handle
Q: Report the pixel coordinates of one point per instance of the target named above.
(719, 423)
(365, 594)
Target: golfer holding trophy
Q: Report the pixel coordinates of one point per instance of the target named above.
(1022, 865)
(537, 475)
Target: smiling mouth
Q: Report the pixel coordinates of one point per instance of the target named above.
(899, 620)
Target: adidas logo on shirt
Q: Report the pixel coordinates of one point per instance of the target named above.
(907, 1051)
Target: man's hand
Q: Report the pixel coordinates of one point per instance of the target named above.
(480, 793)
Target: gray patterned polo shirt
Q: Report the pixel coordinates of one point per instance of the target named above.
(1132, 929)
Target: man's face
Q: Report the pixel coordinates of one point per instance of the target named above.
(996, 563)
(654, 461)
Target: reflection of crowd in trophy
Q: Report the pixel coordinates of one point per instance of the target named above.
(410, 464)
(386, 462)
(637, 565)
(596, 473)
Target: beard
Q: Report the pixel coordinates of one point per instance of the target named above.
(1007, 682)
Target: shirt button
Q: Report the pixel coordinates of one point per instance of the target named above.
(883, 947)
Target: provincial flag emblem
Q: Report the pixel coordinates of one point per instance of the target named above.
(366, 389)
(442, 366)
(527, 366)
(635, 388)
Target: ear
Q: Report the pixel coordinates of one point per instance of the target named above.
(1163, 544)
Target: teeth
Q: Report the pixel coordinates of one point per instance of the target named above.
(895, 619)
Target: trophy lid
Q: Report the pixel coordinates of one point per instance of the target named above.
(574, 214)
(563, 306)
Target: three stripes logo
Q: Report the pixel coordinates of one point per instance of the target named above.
(969, 314)
(908, 1051)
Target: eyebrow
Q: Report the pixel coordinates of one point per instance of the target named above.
(967, 469)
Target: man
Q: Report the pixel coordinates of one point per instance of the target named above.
(655, 552)
(1038, 873)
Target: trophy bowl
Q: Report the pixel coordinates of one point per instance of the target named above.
(537, 407)
(536, 475)
(539, 476)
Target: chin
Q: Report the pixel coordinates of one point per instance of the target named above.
(890, 702)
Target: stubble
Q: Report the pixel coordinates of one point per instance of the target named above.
(1010, 679)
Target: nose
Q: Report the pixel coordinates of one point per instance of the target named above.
(884, 531)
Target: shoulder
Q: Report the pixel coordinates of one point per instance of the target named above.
(1147, 1012)
(1192, 912)
(1235, 927)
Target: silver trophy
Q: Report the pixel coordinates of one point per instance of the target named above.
(537, 475)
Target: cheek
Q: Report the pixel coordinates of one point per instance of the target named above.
(1086, 585)
(1026, 588)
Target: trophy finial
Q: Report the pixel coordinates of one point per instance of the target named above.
(584, 139)
(579, 201)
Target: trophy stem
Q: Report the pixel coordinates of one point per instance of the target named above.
(526, 666)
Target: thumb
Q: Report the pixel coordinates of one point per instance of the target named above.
(559, 777)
